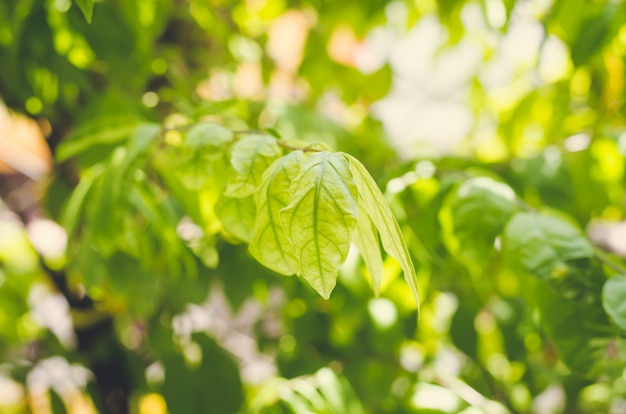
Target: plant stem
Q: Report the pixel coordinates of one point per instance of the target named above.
(606, 260)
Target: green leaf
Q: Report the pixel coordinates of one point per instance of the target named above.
(73, 209)
(106, 130)
(335, 391)
(111, 197)
(269, 244)
(479, 210)
(320, 219)
(373, 202)
(577, 329)
(250, 157)
(56, 403)
(208, 136)
(614, 300)
(237, 216)
(543, 245)
(591, 37)
(367, 241)
(197, 171)
(213, 384)
(85, 6)
(309, 395)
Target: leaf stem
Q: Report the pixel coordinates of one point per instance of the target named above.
(292, 148)
(606, 260)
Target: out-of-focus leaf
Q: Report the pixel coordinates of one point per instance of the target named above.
(56, 403)
(269, 244)
(371, 199)
(614, 300)
(336, 392)
(578, 330)
(590, 38)
(73, 210)
(106, 130)
(320, 218)
(480, 208)
(462, 330)
(544, 245)
(323, 392)
(110, 198)
(85, 6)
(208, 136)
(250, 157)
(211, 385)
(237, 215)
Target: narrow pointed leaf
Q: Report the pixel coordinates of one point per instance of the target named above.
(372, 201)
(320, 219)
(86, 7)
(237, 216)
(250, 157)
(100, 132)
(269, 244)
(367, 241)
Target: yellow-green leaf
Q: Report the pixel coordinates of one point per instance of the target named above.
(237, 216)
(372, 201)
(269, 244)
(208, 136)
(250, 157)
(367, 241)
(320, 219)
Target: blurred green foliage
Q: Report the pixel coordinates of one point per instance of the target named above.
(164, 118)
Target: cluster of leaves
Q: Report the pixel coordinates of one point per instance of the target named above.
(299, 212)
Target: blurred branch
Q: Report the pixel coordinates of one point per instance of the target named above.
(606, 260)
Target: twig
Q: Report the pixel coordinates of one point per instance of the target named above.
(604, 258)
(292, 148)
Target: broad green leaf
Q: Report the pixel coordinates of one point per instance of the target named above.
(367, 241)
(479, 209)
(614, 300)
(237, 216)
(86, 6)
(269, 244)
(543, 245)
(208, 136)
(320, 218)
(198, 170)
(373, 202)
(250, 157)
